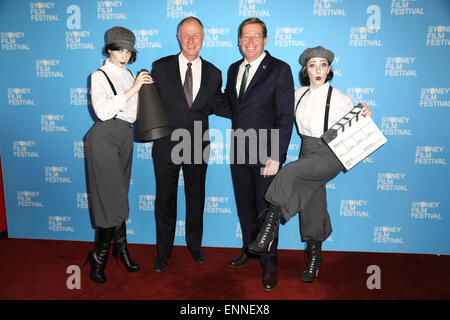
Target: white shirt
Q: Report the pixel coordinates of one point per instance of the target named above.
(310, 114)
(251, 72)
(106, 105)
(196, 72)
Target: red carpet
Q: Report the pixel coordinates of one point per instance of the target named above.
(36, 269)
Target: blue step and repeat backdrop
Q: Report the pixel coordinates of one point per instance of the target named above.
(391, 54)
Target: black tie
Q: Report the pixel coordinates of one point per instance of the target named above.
(188, 85)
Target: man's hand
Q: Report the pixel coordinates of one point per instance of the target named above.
(271, 168)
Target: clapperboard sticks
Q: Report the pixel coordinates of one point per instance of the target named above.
(332, 133)
(361, 143)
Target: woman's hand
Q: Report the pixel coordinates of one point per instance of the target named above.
(143, 78)
(365, 111)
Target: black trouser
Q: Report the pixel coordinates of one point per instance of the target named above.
(167, 174)
(249, 189)
(300, 187)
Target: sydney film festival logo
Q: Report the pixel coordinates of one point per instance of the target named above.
(434, 97)
(217, 38)
(110, 10)
(437, 36)
(217, 204)
(362, 95)
(25, 149)
(13, 41)
(79, 96)
(387, 235)
(289, 37)
(48, 68)
(354, 208)
(425, 210)
(430, 155)
(147, 38)
(328, 8)
(60, 224)
(367, 35)
(20, 97)
(79, 149)
(391, 182)
(405, 7)
(82, 200)
(52, 123)
(28, 198)
(146, 202)
(43, 12)
(180, 9)
(253, 8)
(55, 174)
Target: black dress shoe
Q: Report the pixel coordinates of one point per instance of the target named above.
(198, 256)
(160, 264)
(269, 281)
(240, 261)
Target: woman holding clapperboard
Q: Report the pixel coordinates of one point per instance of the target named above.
(299, 187)
(109, 149)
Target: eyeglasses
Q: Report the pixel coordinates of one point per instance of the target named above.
(246, 37)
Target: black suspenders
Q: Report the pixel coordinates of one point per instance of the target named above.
(111, 84)
(327, 107)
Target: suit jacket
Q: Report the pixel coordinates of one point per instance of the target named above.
(268, 103)
(209, 100)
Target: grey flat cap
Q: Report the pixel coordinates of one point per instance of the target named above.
(122, 37)
(316, 52)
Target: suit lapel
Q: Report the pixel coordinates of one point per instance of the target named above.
(203, 84)
(233, 77)
(175, 75)
(263, 68)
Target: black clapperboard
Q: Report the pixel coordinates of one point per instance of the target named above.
(353, 137)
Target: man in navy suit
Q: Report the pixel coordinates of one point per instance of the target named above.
(260, 89)
(190, 90)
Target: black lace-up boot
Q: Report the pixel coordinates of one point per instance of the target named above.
(314, 250)
(268, 231)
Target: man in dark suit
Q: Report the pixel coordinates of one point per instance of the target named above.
(191, 90)
(260, 89)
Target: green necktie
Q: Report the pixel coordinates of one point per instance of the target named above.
(244, 83)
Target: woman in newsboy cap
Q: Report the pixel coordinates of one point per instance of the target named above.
(109, 149)
(299, 187)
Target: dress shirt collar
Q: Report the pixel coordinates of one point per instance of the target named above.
(109, 66)
(183, 61)
(323, 89)
(255, 64)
